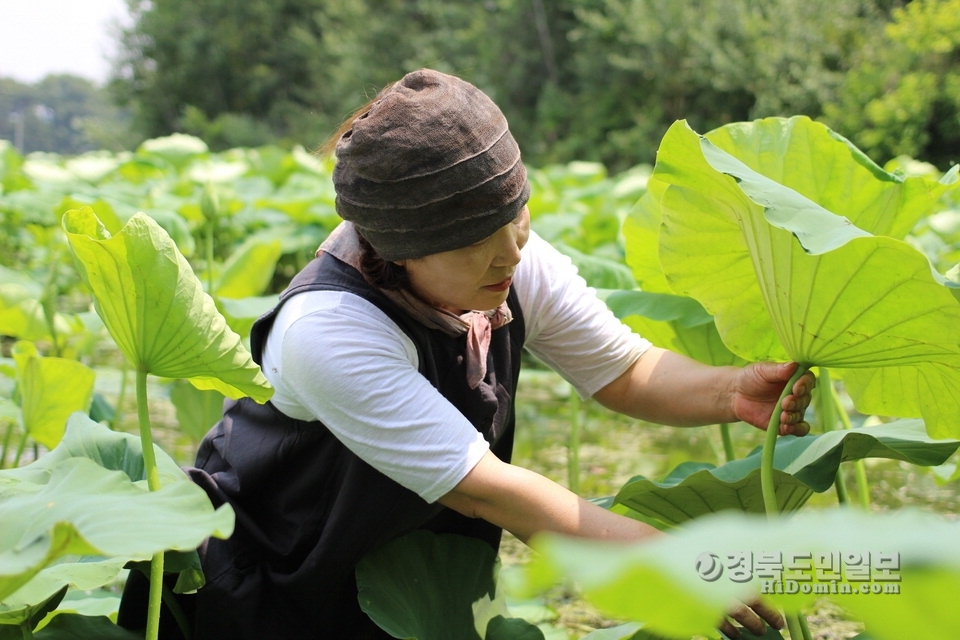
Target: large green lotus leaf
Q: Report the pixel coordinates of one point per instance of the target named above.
(79, 572)
(825, 167)
(433, 587)
(241, 313)
(178, 149)
(91, 602)
(86, 502)
(50, 390)
(249, 270)
(787, 279)
(641, 233)
(30, 614)
(802, 466)
(931, 391)
(70, 626)
(155, 308)
(599, 272)
(659, 581)
(87, 510)
(113, 450)
(197, 409)
(673, 322)
(778, 148)
(21, 314)
(93, 166)
(306, 199)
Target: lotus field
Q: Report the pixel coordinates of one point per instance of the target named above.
(129, 283)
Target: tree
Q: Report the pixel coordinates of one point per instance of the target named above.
(902, 97)
(578, 79)
(234, 73)
(259, 60)
(62, 113)
(642, 64)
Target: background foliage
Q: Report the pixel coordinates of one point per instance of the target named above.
(597, 80)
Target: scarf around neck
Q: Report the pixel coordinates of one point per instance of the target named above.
(344, 244)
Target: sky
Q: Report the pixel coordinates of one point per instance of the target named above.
(40, 37)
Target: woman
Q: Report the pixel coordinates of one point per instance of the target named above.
(395, 356)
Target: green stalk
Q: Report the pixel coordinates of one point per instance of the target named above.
(573, 444)
(863, 488)
(210, 207)
(170, 600)
(841, 487)
(728, 452)
(797, 626)
(153, 482)
(795, 621)
(209, 244)
(20, 449)
(827, 404)
(7, 439)
(121, 394)
(823, 401)
(804, 628)
(769, 447)
(25, 631)
(47, 301)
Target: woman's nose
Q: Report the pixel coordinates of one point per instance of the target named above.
(508, 253)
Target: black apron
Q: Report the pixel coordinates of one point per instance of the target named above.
(307, 508)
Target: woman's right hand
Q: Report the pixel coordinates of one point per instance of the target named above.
(754, 616)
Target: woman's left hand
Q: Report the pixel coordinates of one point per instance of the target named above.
(757, 389)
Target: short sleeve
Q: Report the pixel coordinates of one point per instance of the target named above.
(344, 362)
(567, 326)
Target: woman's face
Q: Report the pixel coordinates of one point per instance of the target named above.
(476, 277)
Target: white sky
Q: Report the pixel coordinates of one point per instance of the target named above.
(39, 37)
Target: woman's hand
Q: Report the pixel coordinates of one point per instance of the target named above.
(669, 388)
(757, 388)
(753, 616)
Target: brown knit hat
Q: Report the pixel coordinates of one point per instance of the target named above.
(430, 167)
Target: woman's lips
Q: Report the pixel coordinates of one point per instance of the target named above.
(503, 285)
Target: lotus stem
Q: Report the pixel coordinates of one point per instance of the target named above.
(797, 626)
(146, 436)
(25, 631)
(769, 447)
(121, 394)
(829, 409)
(20, 449)
(863, 487)
(170, 600)
(824, 401)
(153, 482)
(48, 298)
(838, 484)
(209, 248)
(728, 452)
(7, 440)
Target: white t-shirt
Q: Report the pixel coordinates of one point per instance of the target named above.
(334, 357)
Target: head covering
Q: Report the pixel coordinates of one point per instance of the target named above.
(430, 167)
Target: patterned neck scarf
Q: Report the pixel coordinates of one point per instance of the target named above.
(344, 245)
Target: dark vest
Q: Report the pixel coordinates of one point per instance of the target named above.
(307, 508)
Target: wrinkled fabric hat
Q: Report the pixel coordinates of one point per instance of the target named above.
(430, 167)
